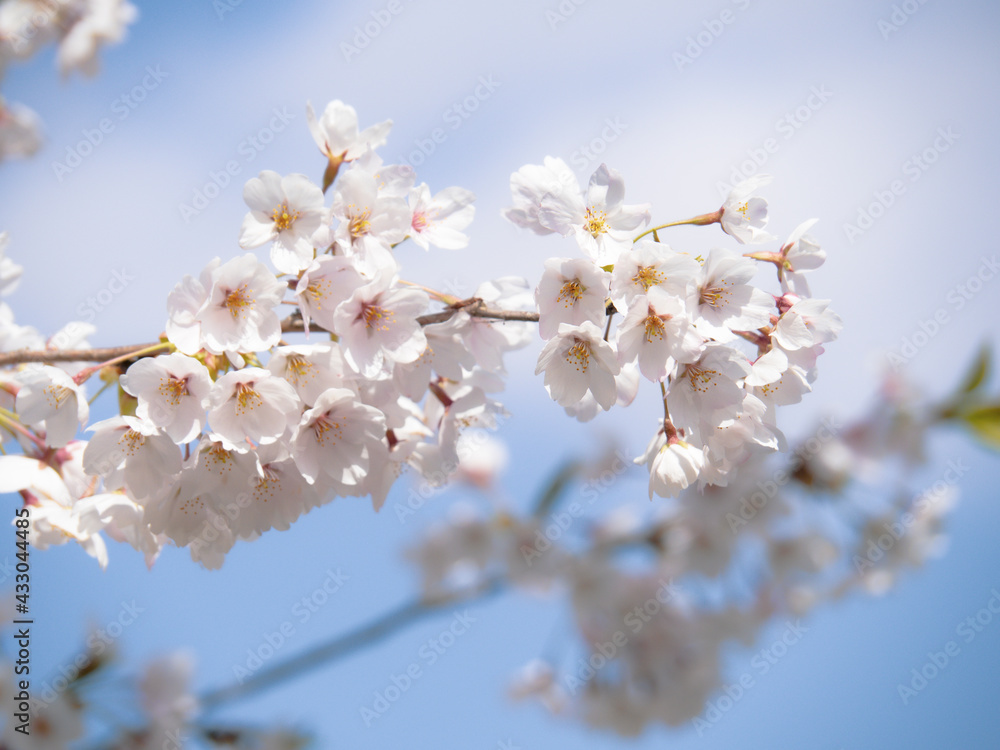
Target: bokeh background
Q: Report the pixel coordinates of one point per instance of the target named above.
(843, 97)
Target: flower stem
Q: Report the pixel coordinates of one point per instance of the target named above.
(84, 374)
(702, 220)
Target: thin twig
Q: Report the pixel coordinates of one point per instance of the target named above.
(291, 324)
(366, 635)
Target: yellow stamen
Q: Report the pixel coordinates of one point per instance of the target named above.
(247, 399)
(571, 292)
(580, 351)
(283, 217)
(595, 222)
(239, 300)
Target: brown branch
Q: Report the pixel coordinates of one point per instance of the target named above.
(292, 324)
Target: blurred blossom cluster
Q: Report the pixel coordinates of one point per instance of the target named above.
(78, 29)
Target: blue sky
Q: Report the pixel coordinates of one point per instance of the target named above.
(842, 110)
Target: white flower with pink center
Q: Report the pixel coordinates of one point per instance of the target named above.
(571, 290)
(238, 315)
(726, 302)
(705, 393)
(252, 404)
(368, 219)
(439, 221)
(578, 360)
(378, 327)
(657, 331)
(172, 390)
(330, 280)
(340, 440)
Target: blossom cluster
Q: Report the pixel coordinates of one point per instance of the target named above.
(161, 710)
(78, 28)
(683, 319)
(231, 429)
(717, 567)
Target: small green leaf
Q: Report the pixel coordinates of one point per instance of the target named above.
(976, 375)
(126, 403)
(984, 422)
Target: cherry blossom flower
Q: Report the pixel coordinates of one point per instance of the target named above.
(577, 360)
(172, 390)
(20, 129)
(377, 327)
(805, 323)
(341, 440)
(726, 302)
(571, 290)
(238, 313)
(439, 221)
(310, 369)
(252, 404)
(709, 391)
(800, 253)
(744, 216)
(627, 384)
(602, 225)
(10, 272)
(101, 22)
(652, 264)
(336, 133)
(329, 281)
(49, 398)
(657, 331)
(286, 210)
(368, 219)
(672, 465)
(534, 183)
(131, 452)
